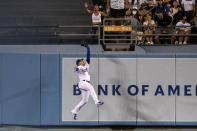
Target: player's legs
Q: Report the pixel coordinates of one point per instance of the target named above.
(88, 87)
(93, 93)
(84, 100)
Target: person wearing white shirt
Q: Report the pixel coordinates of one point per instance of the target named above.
(117, 8)
(96, 20)
(96, 14)
(183, 27)
(149, 25)
(189, 8)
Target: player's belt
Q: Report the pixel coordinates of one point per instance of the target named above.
(86, 81)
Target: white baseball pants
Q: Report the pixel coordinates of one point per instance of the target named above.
(86, 90)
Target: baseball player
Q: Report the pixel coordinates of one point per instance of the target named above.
(86, 88)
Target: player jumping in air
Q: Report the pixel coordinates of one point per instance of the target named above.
(86, 88)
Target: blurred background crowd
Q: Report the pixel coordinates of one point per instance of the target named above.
(149, 17)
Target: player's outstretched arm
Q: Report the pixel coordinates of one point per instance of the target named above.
(88, 51)
(88, 54)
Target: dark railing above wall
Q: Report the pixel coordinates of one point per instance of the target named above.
(64, 34)
(44, 34)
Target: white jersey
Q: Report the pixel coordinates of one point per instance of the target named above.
(83, 72)
(96, 18)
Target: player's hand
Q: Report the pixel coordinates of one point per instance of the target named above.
(84, 44)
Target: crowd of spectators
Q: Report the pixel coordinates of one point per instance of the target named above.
(151, 16)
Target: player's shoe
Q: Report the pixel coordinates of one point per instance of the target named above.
(75, 116)
(99, 103)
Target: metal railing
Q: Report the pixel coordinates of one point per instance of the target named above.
(86, 35)
(12, 34)
(117, 33)
(77, 32)
(135, 34)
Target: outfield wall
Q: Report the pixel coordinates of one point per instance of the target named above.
(136, 89)
(149, 89)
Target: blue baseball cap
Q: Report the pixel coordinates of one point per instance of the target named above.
(78, 60)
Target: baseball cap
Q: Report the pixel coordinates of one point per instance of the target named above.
(78, 60)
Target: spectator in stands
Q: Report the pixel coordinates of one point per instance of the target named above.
(189, 8)
(152, 3)
(137, 20)
(117, 9)
(136, 26)
(149, 26)
(134, 22)
(194, 29)
(163, 23)
(176, 12)
(141, 19)
(174, 9)
(160, 6)
(134, 3)
(194, 23)
(169, 3)
(143, 4)
(135, 12)
(183, 27)
(96, 19)
(96, 14)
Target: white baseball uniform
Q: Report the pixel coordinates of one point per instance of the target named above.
(85, 86)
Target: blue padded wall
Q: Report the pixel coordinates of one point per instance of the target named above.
(30, 85)
(1, 61)
(20, 89)
(50, 89)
